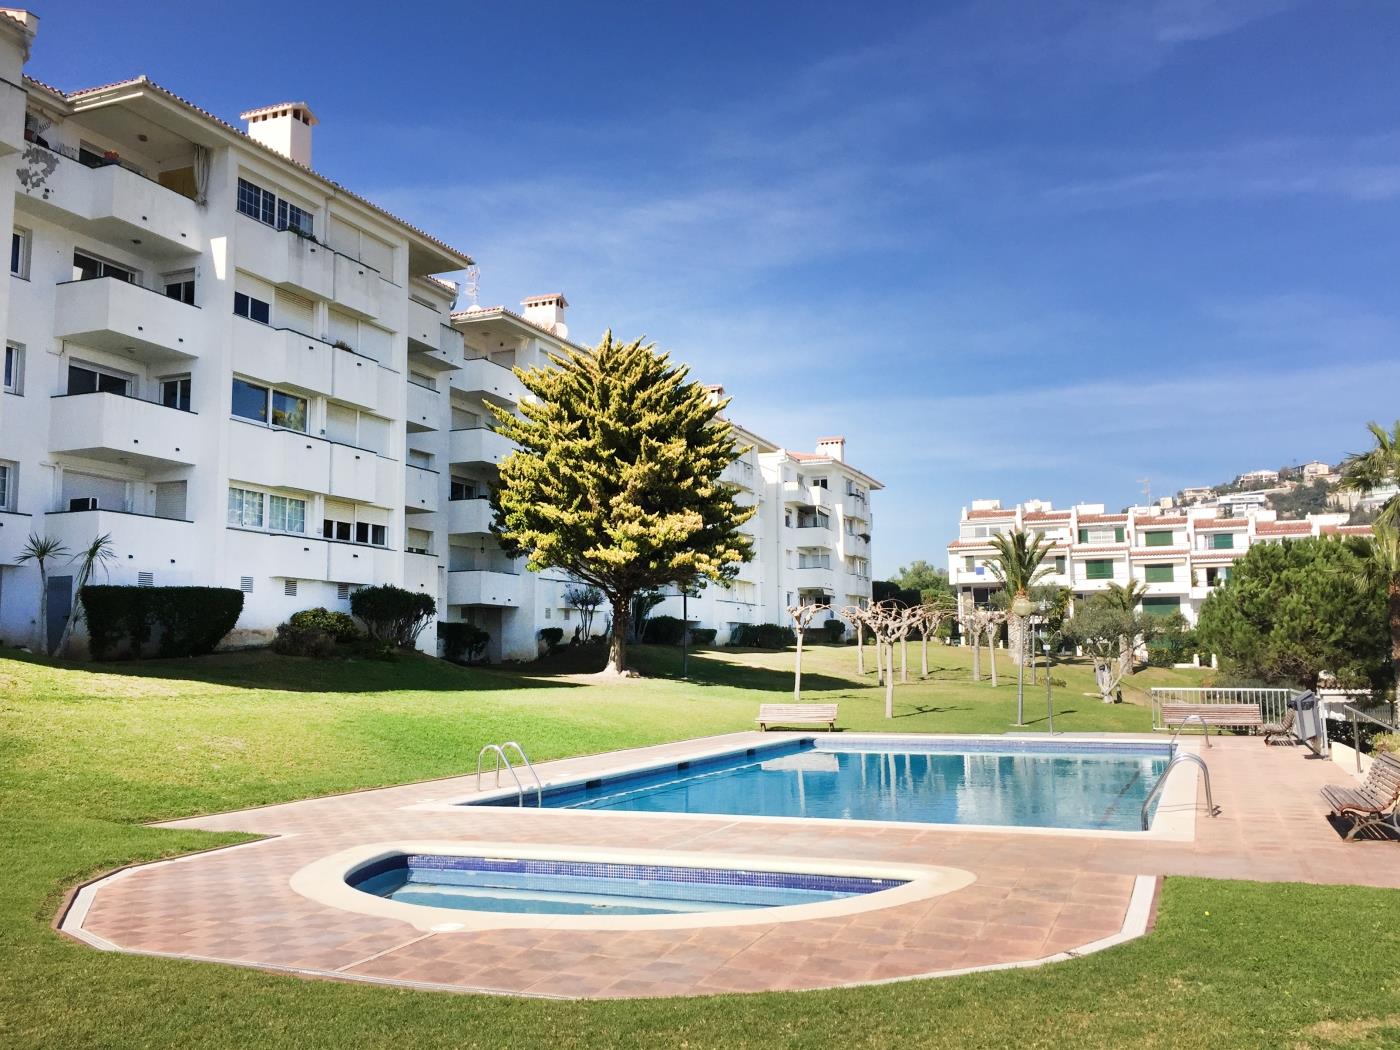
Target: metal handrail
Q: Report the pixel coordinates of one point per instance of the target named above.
(1204, 725)
(1161, 781)
(501, 759)
(539, 784)
(1356, 713)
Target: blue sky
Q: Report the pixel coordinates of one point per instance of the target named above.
(1009, 250)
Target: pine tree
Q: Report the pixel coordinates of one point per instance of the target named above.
(617, 477)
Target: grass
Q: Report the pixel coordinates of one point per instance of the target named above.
(87, 754)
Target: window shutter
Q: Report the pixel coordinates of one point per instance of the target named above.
(170, 499)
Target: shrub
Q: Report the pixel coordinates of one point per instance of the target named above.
(762, 636)
(392, 615)
(303, 641)
(664, 630)
(183, 621)
(702, 636)
(462, 642)
(551, 636)
(340, 626)
(835, 630)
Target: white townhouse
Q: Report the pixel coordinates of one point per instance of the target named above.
(1178, 554)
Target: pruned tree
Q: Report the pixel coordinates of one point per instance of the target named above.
(617, 477)
(931, 618)
(801, 620)
(43, 551)
(1098, 629)
(981, 622)
(855, 616)
(1125, 599)
(586, 600)
(884, 618)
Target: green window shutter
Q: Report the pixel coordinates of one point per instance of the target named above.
(1159, 539)
(1161, 606)
(1099, 569)
(1083, 535)
(968, 563)
(1161, 573)
(1118, 534)
(1060, 566)
(1223, 541)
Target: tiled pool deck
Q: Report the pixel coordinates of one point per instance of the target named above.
(1035, 895)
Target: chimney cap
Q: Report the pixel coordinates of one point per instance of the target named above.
(838, 437)
(298, 109)
(535, 300)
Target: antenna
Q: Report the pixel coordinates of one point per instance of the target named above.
(1146, 484)
(472, 285)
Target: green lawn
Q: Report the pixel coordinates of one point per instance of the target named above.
(87, 754)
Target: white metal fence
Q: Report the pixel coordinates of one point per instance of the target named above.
(1272, 702)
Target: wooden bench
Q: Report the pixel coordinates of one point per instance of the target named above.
(1222, 716)
(796, 715)
(1373, 801)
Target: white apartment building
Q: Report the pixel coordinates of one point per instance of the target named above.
(1178, 555)
(249, 376)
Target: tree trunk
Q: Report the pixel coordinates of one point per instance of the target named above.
(1015, 638)
(1393, 603)
(889, 681)
(923, 638)
(976, 658)
(860, 647)
(42, 646)
(797, 671)
(992, 655)
(617, 647)
(879, 661)
(904, 659)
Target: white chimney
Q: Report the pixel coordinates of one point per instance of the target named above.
(285, 127)
(832, 448)
(547, 311)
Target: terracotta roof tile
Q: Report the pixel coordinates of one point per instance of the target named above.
(991, 514)
(1096, 519)
(1116, 547)
(1047, 515)
(1283, 528)
(1221, 523)
(1159, 552)
(1152, 523)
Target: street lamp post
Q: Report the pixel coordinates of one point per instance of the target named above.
(1021, 608)
(685, 634)
(1049, 703)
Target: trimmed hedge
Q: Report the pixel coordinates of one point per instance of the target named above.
(762, 636)
(393, 615)
(702, 636)
(551, 636)
(182, 621)
(835, 630)
(664, 630)
(315, 632)
(462, 642)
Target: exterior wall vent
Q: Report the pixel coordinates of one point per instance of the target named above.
(290, 588)
(145, 579)
(245, 584)
(342, 591)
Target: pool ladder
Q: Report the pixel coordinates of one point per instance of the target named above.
(1162, 780)
(502, 758)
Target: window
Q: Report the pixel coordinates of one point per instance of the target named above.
(1160, 606)
(92, 379)
(175, 392)
(290, 217)
(356, 532)
(1098, 569)
(1102, 534)
(19, 252)
(1160, 573)
(7, 486)
(1060, 565)
(1222, 541)
(1157, 539)
(372, 534)
(256, 202)
(461, 488)
(262, 404)
(286, 514)
(89, 267)
(245, 508)
(332, 529)
(1217, 575)
(179, 286)
(14, 369)
(253, 309)
(969, 563)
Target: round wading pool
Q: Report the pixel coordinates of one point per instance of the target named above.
(445, 886)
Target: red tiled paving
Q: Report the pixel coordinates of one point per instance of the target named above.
(1035, 895)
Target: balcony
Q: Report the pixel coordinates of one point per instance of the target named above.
(812, 536)
(421, 489)
(359, 563)
(357, 287)
(353, 474)
(119, 429)
(813, 578)
(355, 379)
(478, 445)
(109, 314)
(424, 407)
(807, 495)
(469, 517)
(423, 324)
(14, 531)
(278, 458)
(493, 381)
(420, 573)
(286, 259)
(114, 204)
(277, 554)
(740, 473)
(483, 587)
(281, 357)
(166, 547)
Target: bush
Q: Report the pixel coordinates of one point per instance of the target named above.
(702, 636)
(462, 642)
(303, 641)
(392, 615)
(835, 630)
(551, 636)
(762, 636)
(663, 630)
(340, 626)
(183, 621)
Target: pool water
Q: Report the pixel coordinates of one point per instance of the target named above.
(1088, 786)
(580, 888)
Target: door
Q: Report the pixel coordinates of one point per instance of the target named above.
(60, 605)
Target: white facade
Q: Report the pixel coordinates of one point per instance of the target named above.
(1178, 555)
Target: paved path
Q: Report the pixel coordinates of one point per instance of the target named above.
(1034, 896)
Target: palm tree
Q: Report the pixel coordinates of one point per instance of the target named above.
(98, 553)
(1125, 599)
(1366, 471)
(1382, 569)
(42, 550)
(1019, 567)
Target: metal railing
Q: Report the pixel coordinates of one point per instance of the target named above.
(1356, 714)
(1162, 780)
(498, 753)
(1272, 702)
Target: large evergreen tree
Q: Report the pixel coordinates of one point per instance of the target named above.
(617, 477)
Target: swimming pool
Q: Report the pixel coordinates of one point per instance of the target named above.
(1087, 785)
(562, 887)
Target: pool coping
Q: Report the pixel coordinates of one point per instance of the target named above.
(1173, 821)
